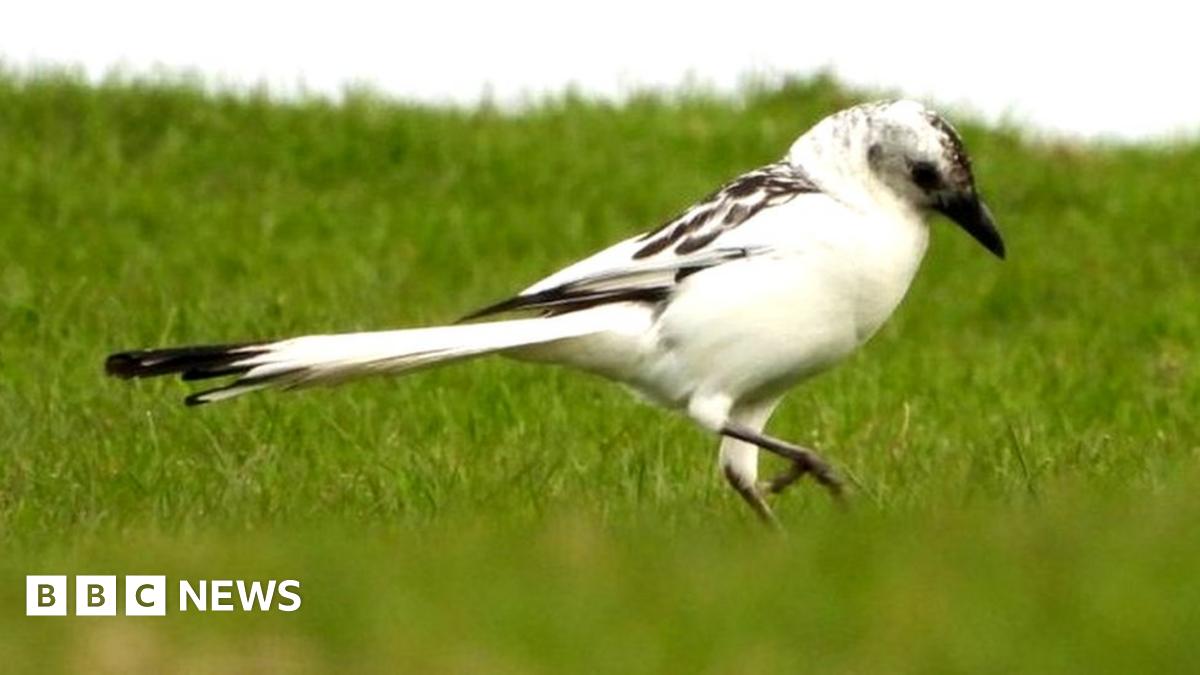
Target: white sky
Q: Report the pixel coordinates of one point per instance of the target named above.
(1075, 68)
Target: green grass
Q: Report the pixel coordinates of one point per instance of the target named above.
(1023, 435)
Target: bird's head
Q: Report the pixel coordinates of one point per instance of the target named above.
(907, 151)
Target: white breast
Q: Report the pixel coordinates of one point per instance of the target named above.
(762, 324)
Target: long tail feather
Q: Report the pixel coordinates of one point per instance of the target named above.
(331, 359)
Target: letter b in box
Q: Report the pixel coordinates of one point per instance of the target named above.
(46, 595)
(95, 595)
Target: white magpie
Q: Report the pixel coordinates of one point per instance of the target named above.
(776, 276)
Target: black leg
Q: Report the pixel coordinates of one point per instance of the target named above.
(803, 460)
(784, 480)
(754, 498)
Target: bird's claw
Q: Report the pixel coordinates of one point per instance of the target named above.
(821, 472)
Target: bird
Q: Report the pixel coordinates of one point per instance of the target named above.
(776, 276)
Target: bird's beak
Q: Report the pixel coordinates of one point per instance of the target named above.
(973, 215)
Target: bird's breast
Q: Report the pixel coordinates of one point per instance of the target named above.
(763, 324)
(886, 260)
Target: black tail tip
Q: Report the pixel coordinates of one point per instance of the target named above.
(193, 363)
(125, 365)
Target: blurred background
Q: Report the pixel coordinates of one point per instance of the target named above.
(1124, 71)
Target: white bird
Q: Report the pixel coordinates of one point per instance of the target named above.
(773, 278)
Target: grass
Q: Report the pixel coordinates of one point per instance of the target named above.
(1023, 434)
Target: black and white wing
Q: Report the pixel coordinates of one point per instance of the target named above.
(647, 267)
(730, 206)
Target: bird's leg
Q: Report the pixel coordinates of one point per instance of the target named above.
(784, 479)
(753, 496)
(803, 460)
(739, 459)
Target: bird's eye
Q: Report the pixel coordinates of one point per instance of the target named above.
(925, 175)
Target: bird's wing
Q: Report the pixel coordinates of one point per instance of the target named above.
(647, 267)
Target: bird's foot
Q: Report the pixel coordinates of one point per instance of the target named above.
(803, 461)
(754, 495)
(821, 472)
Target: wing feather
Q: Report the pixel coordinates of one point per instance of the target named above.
(646, 268)
(733, 204)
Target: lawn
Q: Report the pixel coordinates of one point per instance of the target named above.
(1022, 436)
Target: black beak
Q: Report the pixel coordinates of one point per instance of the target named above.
(973, 216)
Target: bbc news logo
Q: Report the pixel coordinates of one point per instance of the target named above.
(146, 595)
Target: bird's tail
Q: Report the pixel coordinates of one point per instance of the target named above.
(330, 359)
